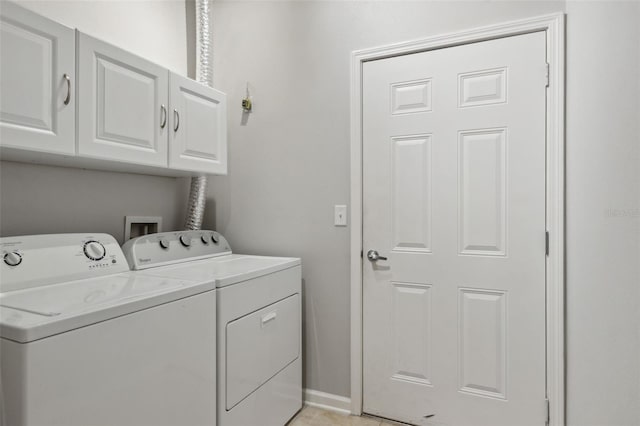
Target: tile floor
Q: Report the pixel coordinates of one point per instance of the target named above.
(311, 416)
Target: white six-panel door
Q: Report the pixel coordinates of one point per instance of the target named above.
(122, 105)
(37, 79)
(454, 197)
(198, 127)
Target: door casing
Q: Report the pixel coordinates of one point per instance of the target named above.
(553, 25)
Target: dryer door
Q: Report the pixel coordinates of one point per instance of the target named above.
(259, 345)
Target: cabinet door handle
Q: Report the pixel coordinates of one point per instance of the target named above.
(163, 116)
(176, 116)
(68, 98)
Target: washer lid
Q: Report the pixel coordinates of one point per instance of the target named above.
(39, 312)
(225, 270)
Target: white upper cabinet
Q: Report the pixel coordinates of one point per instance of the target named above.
(37, 79)
(198, 140)
(122, 105)
(125, 118)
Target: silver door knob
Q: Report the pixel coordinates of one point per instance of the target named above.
(373, 255)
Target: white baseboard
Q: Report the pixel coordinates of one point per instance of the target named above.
(327, 401)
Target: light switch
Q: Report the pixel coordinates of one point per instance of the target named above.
(340, 215)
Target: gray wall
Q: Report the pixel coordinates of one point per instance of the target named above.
(155, 30)
(603, 213)
(289, 164)
(46, 200)
(43, 199)
(289, 159)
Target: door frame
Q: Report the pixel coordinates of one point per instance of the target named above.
(553, 25)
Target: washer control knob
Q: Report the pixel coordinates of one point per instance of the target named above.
(214, 238)
(13, 258)
(185, 240)
(204, 240)
(94, 250)
(164, 243)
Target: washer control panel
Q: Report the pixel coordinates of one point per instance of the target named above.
(36, 260)
(165, 248)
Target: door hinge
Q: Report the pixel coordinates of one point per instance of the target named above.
(547, 411)
(547, 74)
(546, 243)
(361, 254)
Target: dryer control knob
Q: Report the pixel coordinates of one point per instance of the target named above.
(185, 240)
(164, 243)
(214, 238)
(13, 258)
(204, 240)
(94, 250)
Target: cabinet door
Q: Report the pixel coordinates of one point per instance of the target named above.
(122, 103)
(37, 74)
(198, 127)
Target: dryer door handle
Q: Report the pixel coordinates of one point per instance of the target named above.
(267, 318)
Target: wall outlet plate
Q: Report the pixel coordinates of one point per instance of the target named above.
(136, 226)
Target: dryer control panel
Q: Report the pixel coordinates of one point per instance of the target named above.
(37, 260)
(166, 248)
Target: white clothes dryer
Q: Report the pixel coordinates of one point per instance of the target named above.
(86, 342)
(259, 360)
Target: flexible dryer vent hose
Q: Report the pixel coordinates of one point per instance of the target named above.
(204, 69)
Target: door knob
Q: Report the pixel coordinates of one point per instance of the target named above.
(373, 255)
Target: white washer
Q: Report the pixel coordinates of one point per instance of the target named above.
(86, 342)
(258, 315)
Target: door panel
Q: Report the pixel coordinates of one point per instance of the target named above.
(123, 105)
(482, 187)
(411, 201)
(120, 85)
(198, 127)
(35, 56)
(482, 338)
(411, 322)
(454, 196)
